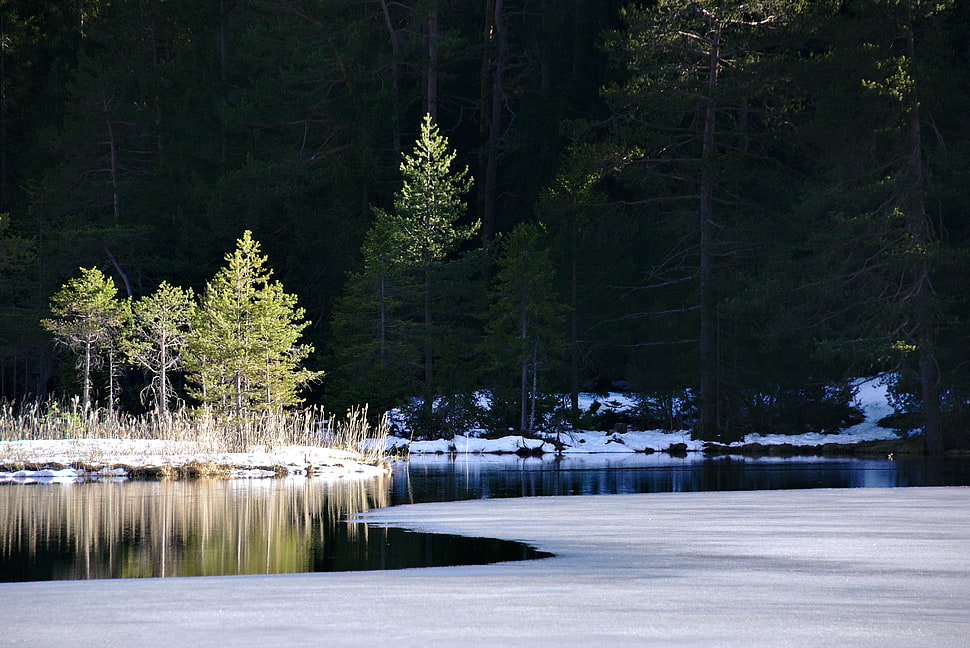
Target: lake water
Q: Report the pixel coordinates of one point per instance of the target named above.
(216, 527)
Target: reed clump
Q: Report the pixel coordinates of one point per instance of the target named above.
(206, 432)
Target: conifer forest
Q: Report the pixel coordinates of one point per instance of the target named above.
(731, 209)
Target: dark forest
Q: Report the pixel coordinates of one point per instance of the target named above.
(732, 209)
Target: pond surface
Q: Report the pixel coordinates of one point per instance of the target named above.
(52, 531)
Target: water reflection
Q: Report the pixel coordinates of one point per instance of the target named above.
(195, 528)
(187, 528)
(442, 478)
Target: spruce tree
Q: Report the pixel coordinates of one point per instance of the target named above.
(243, 355)
(881, 128)
(375, 349)
(691, 130)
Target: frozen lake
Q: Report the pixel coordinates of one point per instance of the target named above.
(811, 567)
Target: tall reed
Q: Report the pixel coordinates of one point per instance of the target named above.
(306, 427)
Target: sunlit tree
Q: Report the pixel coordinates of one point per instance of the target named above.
(424, 222)
(243, 353)
(88, 319)
(159, 328)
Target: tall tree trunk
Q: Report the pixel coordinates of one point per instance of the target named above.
(431, 73)
(238, 395)
(707, 394)
(524, 367)
(484, 101)
(223, 80)
(112, 382)
(161, 407)
(496, 45)
(428, 349)
(86, 391)
(40, 373)
(574, 331)
(113, 161)
(535, 386)
(919, 227)
(382, 349)
(120, 270)
(153, 21)
(4, 170)
(395, 78)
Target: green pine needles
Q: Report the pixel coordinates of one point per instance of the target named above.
(159, 328)
(387, 322)
(88, 319)
(429, 202)
(525, 318)
(243, 355)
(238, 345)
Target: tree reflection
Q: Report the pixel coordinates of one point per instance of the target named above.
(177, 528)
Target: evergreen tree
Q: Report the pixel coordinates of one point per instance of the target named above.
(159, 328)
(878, 200)
(374, 337)
(88, 320)
(18, 310)
(242, 354)
(525, 320)
(424, 221)
(691, 135)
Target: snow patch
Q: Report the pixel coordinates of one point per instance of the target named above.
(104, 459)
(871, 398)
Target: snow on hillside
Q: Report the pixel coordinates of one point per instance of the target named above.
(872, 398)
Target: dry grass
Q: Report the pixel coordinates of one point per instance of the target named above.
(209, 434)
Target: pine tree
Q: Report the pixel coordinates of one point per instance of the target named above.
(691, 125)
(243, 354)
(879, 199)
(525, 319)
(424, 221)
(159, 328)
(88, 320)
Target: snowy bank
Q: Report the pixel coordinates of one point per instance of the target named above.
(871, 398)
(75, 459)
(114, 458)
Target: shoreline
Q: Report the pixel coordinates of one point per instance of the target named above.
(120, 459)
(74, 463)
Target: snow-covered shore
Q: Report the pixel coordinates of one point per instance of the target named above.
(69, 460)
(871, 398)
(73, 459)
